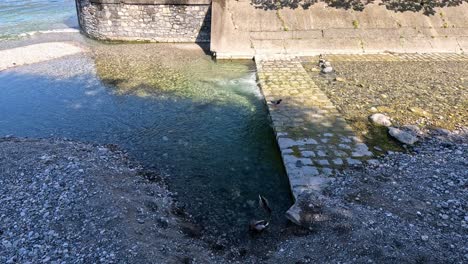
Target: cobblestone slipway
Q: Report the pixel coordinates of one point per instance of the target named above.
(315, 141)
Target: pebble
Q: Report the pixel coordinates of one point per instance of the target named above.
(52, 214)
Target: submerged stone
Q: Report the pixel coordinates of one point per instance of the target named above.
(420, 111)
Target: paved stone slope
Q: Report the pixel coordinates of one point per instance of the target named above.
(315, 141)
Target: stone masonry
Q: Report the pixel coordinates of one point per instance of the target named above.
(146, 20)
(314, 140)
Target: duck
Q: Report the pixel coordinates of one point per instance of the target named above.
(326, 68)
(264, 204)
(321, 61)
(324, 65)
(258, 225)
(276, 102)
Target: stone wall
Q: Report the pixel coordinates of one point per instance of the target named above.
(146, 20)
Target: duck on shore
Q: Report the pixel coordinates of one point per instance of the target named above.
(325, 66)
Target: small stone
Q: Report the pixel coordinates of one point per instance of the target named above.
(353, 161)
(338, 161)
(299, 164)
(424, 238)
(402, 136)
(323, 162)
(380, 119)
(445, 217)
(339, 79)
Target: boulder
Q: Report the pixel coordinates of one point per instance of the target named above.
(380, 119)
(307, 209)
(404, 137)
(313, 208)
(413, 129)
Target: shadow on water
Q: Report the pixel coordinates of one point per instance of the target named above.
(213, 142)
(426, 6)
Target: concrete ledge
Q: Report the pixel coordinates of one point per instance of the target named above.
(238, 28)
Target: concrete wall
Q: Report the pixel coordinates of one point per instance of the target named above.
(240, 30)
(146, 20)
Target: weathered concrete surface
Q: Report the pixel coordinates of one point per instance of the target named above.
(36, 53)
(314, 140)
(394, 57)
(146, 20)
(241, 30)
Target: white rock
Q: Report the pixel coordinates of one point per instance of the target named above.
(380, 119)
(327, 70)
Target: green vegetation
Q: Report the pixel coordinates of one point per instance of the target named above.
(355, 24)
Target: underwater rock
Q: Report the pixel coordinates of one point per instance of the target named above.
(402, 136)
(380, 119)
(419, 111)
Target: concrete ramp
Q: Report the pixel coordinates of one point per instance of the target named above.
(242, 30)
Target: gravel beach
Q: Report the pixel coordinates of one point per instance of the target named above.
(64, 201)
(408, 208)
(69, 202)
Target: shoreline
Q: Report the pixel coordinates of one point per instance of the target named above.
(36, 53)
(137, 219)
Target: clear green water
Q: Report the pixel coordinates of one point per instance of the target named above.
(20, 16)
(204, 124)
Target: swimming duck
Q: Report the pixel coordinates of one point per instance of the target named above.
(264, 204)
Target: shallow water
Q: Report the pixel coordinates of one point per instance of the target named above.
(20, 16)
(211, 135)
